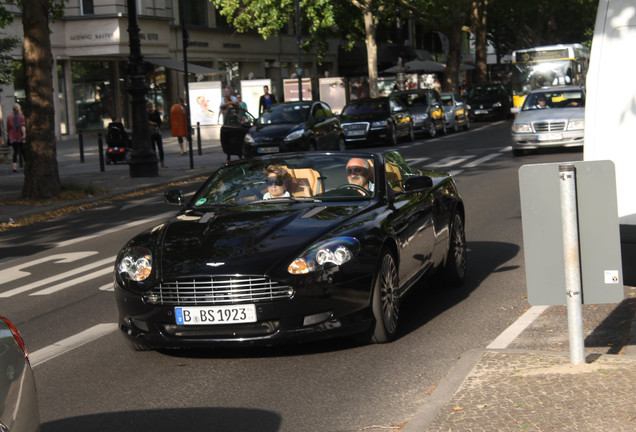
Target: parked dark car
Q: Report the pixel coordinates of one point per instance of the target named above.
(236, 123)
(19, 407)
(333, 255)
(294, 126)
(455, 111)
(426, 107)
(489, 102)
(376, 120)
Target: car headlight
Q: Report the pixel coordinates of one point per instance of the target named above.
(468, 106)
(496, 105)
(135, 263)
(379, 124)
(336, 251)
(294, 135)
(522, 128)
(248, 139)
(576, 124)
(420, 117)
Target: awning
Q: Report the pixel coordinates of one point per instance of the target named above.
(178, 65)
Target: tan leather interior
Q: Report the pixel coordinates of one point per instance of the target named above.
(393, 177)
(305, 182)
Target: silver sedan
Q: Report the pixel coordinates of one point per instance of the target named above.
(19, 409)
(550, 117)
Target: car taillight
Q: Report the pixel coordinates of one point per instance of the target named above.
(16, 335)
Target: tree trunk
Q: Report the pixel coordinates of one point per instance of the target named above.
(372, 49)
(478, 22)
(41, 176)
(451, 75)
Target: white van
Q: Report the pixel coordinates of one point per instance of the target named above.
(610, 113)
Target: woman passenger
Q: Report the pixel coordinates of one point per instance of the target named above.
(277, 178)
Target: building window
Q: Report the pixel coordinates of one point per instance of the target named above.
(86, 7)
(194, 12)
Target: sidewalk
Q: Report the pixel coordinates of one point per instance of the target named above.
(114, 180)
(528, 386)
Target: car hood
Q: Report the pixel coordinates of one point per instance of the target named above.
(232, 240)
(553, 114)
(273, 131)
(371, 117)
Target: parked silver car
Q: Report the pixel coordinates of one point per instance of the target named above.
(550, 117)
(19, 409)
(455, 111)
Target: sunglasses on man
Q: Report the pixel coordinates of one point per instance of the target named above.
(356, 170)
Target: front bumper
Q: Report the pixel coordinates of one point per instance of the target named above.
(531, 141)
(314, 312)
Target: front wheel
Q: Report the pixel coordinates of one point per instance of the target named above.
(455, 267)
(385, 300)
(393, 135)
(411, 132)
(342, 145)
(432, 130)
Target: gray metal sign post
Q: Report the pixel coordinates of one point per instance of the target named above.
(573, 290)
(570, 239)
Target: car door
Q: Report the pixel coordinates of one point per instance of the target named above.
(319, 126)
(400, 116)
(332, 127)
(236, 124)
(411, 221)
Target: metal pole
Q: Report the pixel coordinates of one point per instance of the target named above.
(299, 69)
(100, 146)
(186, 42)
(199, 138)
(81, 146)
(573, 288)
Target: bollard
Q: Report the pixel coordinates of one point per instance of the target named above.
(199, 137)
(100, 145)
(190, 149)
(81, 146)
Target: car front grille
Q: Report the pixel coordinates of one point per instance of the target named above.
(232, 331)
(355, 129)
(549, 126)
(218, 290)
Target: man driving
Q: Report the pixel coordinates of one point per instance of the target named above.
(359, 173)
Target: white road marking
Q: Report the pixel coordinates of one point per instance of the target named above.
(450, 161)
(510, 334)
(70, 343)
(112, 230)
(17, 272)
(481, 160)
(57, 277)
(63, 285)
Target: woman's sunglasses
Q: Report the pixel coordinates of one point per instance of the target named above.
(276, 182)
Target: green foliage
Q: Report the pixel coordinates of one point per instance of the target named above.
(56, 10)
(6, 61)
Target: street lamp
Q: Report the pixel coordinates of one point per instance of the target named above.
(143, 160)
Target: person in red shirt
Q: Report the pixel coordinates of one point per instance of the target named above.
(16, 132)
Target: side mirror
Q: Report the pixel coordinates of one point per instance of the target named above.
(418, 184)
(174, 196)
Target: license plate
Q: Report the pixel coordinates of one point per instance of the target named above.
(550, 137)
(214, 315)
(479, 112)
(355, 133)
(267, 150)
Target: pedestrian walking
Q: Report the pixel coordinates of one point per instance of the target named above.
(154, 123)
(178, 123)
(16, 133)
(266, 100)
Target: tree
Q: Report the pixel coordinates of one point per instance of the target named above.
(41, 176)
(321, 17)
(478, 19)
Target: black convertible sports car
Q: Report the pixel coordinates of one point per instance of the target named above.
(293, 246)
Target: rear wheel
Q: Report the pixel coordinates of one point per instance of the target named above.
(455, 267)
(385, 300)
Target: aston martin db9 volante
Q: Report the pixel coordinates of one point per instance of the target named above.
(291, 247)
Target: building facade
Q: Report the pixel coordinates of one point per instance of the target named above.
(90, 47)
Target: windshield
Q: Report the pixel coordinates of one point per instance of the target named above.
(529, 76)
(554, 99)
(311, 177)
(484, 92)
(367, 106)
(285, 113)
(447, 99)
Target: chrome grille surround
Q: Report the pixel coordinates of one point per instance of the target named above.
(218, 290)
(356, 126)
(549, 126)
